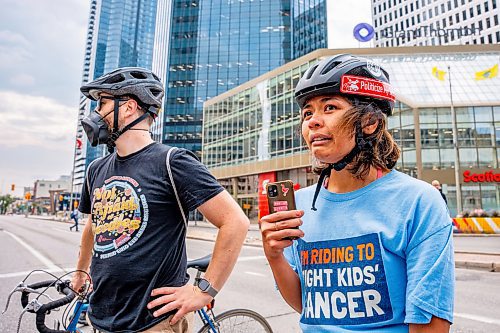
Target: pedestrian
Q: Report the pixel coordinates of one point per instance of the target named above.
(374, 249)
(75, 214)
(437, 185)
(134, 241)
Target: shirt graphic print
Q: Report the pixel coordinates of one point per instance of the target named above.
(120, 216)
(344, 282)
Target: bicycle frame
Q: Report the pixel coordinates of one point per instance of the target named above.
(205, 317)
(79, 308)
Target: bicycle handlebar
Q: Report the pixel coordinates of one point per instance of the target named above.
(63, 288)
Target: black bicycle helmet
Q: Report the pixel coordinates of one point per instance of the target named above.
(346, 74)
(138, 82)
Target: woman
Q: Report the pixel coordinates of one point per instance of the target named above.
(374, 252)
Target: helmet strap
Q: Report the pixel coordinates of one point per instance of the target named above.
(361, 144)
(116, 134)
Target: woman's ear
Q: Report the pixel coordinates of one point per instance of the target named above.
(370, 126)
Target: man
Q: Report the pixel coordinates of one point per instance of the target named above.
(134, 240)
(437, 185)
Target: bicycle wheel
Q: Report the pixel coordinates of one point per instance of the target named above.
(239, 321)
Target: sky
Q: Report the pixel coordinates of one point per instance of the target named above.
(42, 45)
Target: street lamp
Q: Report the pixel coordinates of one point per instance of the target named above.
(455, 148)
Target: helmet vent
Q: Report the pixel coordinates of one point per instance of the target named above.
(156, 92)
(330, 66)
(311, 71)
(114, 79)
(138, 75)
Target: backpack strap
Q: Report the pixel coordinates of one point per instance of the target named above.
(169, 170)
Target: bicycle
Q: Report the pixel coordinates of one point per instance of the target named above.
(42, 310)
(231, 321)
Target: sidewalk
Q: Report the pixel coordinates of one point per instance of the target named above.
(206, 231)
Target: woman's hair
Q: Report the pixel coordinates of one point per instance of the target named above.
(384, 152)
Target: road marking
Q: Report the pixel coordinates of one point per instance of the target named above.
(250, 258)
(46, 261)
(477, 318)
(256, 274)
(66, 231)
(25, 273)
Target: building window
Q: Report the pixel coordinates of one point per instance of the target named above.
(486, 6)
(464, 15)
(478, 9)
(488, 23)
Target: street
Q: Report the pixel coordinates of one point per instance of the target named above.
(27, 244)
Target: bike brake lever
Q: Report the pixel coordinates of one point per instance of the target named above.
(34, 305)
(16, 288)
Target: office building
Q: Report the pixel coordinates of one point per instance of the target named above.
(250, 133)
(435, 22)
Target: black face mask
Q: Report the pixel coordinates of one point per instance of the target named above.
(96, 129)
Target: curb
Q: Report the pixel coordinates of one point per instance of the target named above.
(490, 267)
(475, 235)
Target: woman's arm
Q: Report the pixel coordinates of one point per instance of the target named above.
(274, 228)
(437, 325)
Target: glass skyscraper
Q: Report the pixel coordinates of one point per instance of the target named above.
(120, 33)
(218, 45)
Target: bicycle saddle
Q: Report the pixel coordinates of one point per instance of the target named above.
(200, 264)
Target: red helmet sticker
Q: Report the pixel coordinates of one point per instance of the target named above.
(359, 85)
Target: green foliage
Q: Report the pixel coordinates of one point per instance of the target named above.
(5, 201)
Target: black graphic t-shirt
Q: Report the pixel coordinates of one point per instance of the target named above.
(139, 233)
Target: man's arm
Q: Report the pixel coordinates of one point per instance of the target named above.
(437, 325)
(84, 257)
(223, 212)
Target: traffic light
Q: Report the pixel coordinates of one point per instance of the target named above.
(13, 187)
(27, 196)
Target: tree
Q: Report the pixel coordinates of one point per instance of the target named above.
(5, 201)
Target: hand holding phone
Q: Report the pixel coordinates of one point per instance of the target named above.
(281, 197)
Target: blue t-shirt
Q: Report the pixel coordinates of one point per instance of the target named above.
(375, 259)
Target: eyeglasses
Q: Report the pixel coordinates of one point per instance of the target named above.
(119, 99)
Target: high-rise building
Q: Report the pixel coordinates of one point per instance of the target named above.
(199, 48)
(120, 33)
(436, 22)
(217, 45)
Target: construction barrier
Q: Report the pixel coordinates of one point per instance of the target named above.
(477, 225)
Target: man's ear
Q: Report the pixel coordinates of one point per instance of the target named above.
(132, 107)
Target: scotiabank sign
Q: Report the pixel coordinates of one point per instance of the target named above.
(486, 177)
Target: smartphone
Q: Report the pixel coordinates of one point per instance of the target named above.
(280, 197)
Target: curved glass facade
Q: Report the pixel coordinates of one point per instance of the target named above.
(254, 129)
